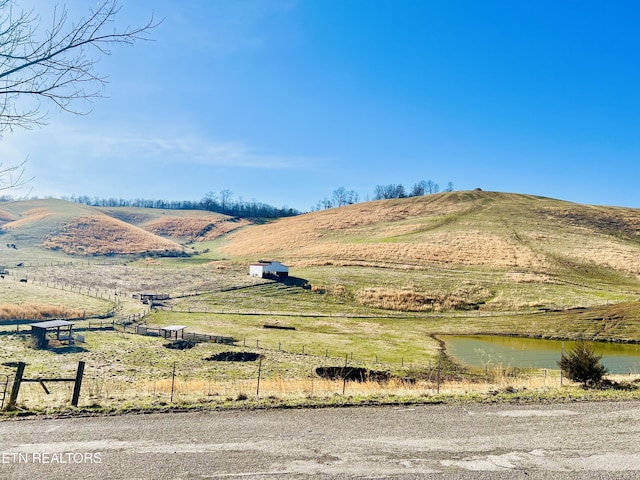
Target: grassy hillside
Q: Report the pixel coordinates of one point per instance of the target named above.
(497, 230)
(80, 230)
(450, 252)
(180, 225)
(483, 250)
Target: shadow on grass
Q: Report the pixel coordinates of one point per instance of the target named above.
(295, 282)
(234, 357)
(66, 349)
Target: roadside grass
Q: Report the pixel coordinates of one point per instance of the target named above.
(164, 392)
(132, 372)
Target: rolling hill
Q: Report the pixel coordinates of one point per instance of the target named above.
(468, 250)
(81, 230)
(473, 250)
(483, 229)
(179, 225)
(455, 237)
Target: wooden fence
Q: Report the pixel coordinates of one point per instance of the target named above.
(193, 337)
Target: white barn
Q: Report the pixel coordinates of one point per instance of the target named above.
(264, 269)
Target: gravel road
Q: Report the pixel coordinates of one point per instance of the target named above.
(576, 440)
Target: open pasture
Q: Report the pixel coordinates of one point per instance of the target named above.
(370, 285)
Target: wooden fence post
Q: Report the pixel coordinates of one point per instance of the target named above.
(173, 380)
(16, 385)
(259, 372)
(77, 385)
(344, 376)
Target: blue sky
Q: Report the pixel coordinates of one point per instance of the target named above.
(283, 101)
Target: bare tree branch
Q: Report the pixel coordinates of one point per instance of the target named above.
(13, 177)
(55, 64)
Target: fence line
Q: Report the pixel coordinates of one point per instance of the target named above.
(175, 381)
(193, 337)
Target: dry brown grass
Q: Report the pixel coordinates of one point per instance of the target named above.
(7, 216)
(464, 297)
(111, 392)
(526, 277)
(486, 229)
(194, 228)
(591, 247)
(103, 235)
(618, 221)
(456, 248)
(409, 231)
(36, 311)
(31, 216)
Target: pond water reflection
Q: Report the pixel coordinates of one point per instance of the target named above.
(490, 350)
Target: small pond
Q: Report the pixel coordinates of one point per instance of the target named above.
(491, 350)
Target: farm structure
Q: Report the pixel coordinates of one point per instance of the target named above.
(150, 298)
(266, 269)
(173, 331)
(61, 328)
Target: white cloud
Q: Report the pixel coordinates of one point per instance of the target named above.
(65, 160)
(60, 146)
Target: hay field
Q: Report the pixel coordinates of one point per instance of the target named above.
(149, 275)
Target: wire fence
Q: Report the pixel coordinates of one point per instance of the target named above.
(177, 383)
(233, 373)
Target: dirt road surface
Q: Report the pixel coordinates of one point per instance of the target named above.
(573, 440)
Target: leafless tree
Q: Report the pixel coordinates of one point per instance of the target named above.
(419, 189)
(53, 63)
(389, 191)
(225, 199)
(342, 196)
